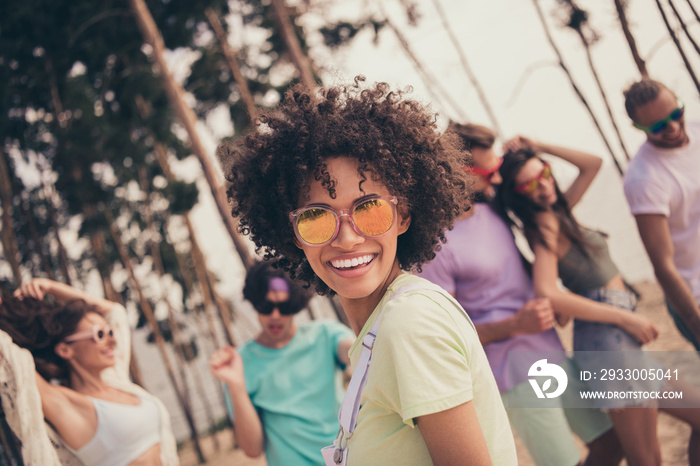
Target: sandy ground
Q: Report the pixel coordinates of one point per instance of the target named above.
(673, 435)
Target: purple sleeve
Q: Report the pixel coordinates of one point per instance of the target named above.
(441, 270)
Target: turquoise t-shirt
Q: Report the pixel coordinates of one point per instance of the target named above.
(297, 392)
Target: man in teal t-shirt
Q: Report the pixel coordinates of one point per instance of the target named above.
(284, 385)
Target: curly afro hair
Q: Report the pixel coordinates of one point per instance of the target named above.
(395, 140)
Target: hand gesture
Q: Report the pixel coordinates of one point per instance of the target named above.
(226, 364)
(36, 288)
(519, 142)
(535, 316)
(639, 327)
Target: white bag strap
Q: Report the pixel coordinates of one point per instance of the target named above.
(351, 402)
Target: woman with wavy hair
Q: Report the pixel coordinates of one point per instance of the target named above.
(348, 188)
(66, 360)
(607, 331)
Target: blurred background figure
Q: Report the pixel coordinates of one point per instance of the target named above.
(493, 285)
(284, 385)
(602, 305)
(83, 342)
(662, 187)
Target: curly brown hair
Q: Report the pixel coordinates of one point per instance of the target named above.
(39, 326)
(395, 140)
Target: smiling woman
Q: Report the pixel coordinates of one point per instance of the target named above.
(82, 342)
(356, 188)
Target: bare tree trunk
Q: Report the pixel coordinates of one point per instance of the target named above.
(185, 355)
(232, 61)
(197, 256)
(300, 60)
(48, 192)
(62, 254)
(431, 83)
(160, 342)
(683, 25)
(9, 240)
(210, 331)
(573, 84)
(97, 241)
(692, 8)
(678, 46)
(198, 379)
(188, 119)
(200, 308)
(181, 349)
(468, 70)
(208, 290)
(38, 243)
(55, 97)
(641, 66)
(601, 89)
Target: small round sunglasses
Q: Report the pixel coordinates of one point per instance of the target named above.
(486, 173)
(285, 307)
(531, 186)
(97, 334)
(659, 126)
(317, 225)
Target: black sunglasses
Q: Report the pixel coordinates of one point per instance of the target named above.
(285, 307)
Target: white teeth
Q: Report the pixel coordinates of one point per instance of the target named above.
(354, 262)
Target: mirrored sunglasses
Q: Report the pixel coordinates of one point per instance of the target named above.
(486, 173)
(369, 217)
(659, 126)
(97, 334)
(531, 186)
(285, 308)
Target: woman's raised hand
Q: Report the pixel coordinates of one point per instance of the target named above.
(36, 288)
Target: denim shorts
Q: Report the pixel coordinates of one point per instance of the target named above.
(600, 347)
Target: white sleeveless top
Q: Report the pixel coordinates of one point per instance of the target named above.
(124, 432)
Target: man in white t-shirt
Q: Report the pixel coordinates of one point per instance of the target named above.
(662, 186)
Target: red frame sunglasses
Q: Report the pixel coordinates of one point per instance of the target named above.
(532, 185)
(486, 173)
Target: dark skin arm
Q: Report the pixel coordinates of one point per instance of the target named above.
(656, 236)
(454, 437)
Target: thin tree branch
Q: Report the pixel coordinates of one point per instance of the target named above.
(468, 70)
(678, 46)
(574, 85)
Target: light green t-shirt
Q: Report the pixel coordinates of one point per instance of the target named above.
(427, 358)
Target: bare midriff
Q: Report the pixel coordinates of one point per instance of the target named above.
(616, 283)
(150, 457)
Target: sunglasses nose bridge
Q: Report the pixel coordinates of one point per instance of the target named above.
(343, 236)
